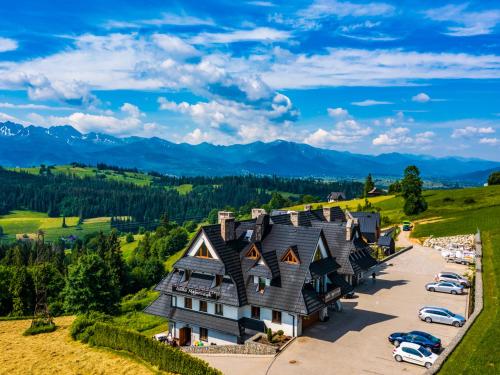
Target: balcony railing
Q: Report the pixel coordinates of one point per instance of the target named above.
(331, 295)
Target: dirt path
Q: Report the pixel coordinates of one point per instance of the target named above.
(56, 353)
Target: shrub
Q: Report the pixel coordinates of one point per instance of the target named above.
(39, 328)
(448, 199)
(269, 333)
(129, 238)
(280, 332)
(80, 326)
(469, 200)
(165, 357)
(56, 308)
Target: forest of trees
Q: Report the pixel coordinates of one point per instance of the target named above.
(61, 195)
(93, 276)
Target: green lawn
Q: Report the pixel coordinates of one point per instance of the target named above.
(350, 205)
(29, 222)
(129, 247)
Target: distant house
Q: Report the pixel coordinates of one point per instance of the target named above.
(369, 224)
(375, 192)
(387, 244)
(336, 196)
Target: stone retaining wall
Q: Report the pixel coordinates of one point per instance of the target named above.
(478, 307)
(250, 347)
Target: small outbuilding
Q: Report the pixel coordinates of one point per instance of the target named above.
(387, 244)
(336, 196)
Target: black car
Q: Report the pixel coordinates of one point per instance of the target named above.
(416, 337)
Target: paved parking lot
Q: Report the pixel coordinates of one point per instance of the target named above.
(355, 341)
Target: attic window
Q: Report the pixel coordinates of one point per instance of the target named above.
(203, 252)
(248, 235)
(253, 253)
(317, 255)
(290, 257)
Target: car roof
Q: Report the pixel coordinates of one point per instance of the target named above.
(450, 273)
(409, 345)
(435, 308)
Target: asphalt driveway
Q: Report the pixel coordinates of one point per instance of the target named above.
(354, 341)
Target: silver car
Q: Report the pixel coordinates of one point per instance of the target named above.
(440, 315)
(452, 277)
(445, 287)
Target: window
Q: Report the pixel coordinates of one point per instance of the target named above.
(317, 255)
(203, 306)
(218, 280)
(219, 310)
(188, 303)
(173, 301)
(253, 253)
(203, 252)
(256, 312)
(261, 285)
(187, 275)
(203, 334)
(276, 316)
(290, 257)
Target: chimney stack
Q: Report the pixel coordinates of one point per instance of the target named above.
(348, 229)
(294, 218)
(256, 212)
(308, 207)
(327, 213)
(227, 228)
(260, 227)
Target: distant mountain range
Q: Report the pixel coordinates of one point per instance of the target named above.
(33, 145)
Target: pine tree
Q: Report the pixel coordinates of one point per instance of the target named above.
(411, 188)
(369, 185)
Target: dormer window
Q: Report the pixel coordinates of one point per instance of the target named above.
(218, 280)
(203, 252)
(253, 253)
(187, 275)
(290, 257)
(317, 255)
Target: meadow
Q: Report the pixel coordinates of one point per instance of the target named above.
(21, 222)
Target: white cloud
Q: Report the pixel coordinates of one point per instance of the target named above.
(344, 132)
(174, 46)
(6, 117)
(33, 106)
(490, 141)
(370, 102)
(259, 34)
(337, 112)
(470, 131)
(7, 44)
(324, 8)
(470, 23)
(395, 137)
(165, 19)
(421, 98)
(261, 3)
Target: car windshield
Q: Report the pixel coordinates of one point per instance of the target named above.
(424, 351)
(448, 312)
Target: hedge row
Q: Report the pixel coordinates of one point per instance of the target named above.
(163, 356)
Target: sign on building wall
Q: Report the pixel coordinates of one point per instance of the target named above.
(195, 292)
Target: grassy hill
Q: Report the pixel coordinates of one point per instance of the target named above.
(20, 222)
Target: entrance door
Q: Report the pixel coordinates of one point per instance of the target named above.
(185, 336)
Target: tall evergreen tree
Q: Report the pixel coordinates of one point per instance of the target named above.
(411, 188)
(369, 185)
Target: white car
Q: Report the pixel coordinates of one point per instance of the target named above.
(414, 353)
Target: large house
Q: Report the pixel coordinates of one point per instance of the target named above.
(369, 224)
(239, 278)
(343, 233)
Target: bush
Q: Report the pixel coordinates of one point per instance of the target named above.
(448, 199)
(80, 328)
(56, 308)
(39, 328)
(165, 357)
(129, 238)
(469, 200)
(269, 333)
(280, 332)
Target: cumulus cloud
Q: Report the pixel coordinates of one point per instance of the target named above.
(471, 131)
(337, 112)
(370, 102)
(397, 136)
(344, 132)
(466, 23)
(174, 46)
(7, 44)
(421, 98)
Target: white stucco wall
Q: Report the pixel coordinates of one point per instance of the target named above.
(214, 337)
(230, 312)
(266, 315)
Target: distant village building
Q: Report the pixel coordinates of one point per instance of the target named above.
(239, 278)
(375, 192)
(336, 196)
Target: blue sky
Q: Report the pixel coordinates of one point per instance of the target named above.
(369, 77)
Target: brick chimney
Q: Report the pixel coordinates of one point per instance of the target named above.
(261, 226)
(327, 213)
(227, 228)
(256, 212)
(294, 218)
(307, 207)
(348, 229)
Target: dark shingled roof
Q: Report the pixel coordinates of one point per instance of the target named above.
(385, 241)
(368, 223)
(162, 307)
(339, 281)
(308, 217)
(362, 259)
(253, 324)
(323, 266)
(311, 300)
